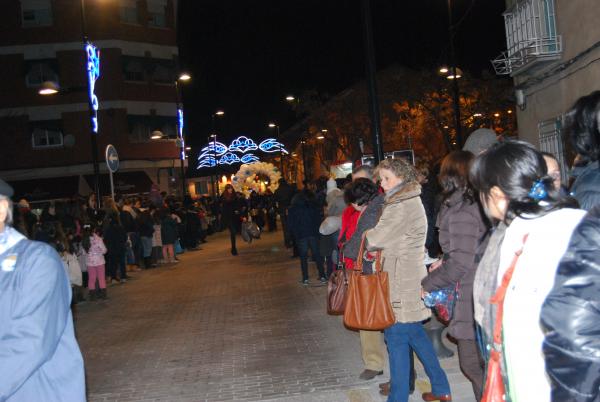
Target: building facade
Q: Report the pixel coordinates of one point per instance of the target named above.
(45, 143)
(553, 55)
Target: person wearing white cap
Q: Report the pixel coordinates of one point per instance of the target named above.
(40, 359)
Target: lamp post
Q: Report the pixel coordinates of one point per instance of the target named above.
(303, 143)
(273, 125)
(184, 77)
(93, 72)
(455, 76)
(218, 113)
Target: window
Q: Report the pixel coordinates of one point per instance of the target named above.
(141, 127)
(46, 137)
(133, 69)
(128, 12)
(157, 10)
(36, 13)
(201, 187)
(164, 72)
(551, 135)
(39, 72)
(531, 36)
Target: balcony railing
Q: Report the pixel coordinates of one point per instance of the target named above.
(530, 35)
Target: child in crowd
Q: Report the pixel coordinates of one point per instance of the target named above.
(94, 249)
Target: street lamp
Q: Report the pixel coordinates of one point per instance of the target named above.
(183, 77)
(217, 113)
(290, 98)
(455, 75)
(273, 125)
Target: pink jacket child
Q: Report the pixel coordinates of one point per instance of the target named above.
(95, 255)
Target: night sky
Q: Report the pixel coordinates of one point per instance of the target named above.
(245, 56)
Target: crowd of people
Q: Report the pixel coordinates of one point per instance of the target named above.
(496, 222)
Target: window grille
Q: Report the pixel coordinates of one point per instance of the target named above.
(531, 36)
(551, 139)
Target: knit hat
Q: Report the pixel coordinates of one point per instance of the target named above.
(5, 189)
(331, 185)
(480, 140)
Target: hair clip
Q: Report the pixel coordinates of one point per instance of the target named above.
(538, 190)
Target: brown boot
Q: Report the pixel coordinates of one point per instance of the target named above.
(384, 388)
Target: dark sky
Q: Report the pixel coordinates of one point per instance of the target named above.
(245, 56)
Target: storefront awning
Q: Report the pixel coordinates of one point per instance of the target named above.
(54, 188)
(125, 183)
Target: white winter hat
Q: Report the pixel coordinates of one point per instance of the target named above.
(331, 185)
(480, 140)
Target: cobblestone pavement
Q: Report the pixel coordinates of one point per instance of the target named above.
(221, 328)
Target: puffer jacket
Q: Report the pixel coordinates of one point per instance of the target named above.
(400, 234)
(570, 317)
(586, 189)
(462, 228)
(95, 255)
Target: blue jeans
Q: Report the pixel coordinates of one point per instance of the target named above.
(303, 246)
(400, 337)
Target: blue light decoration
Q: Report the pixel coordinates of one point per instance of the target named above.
(180, 132)
(249, 158)
(229, 159)
(243, 144)
(210, 153)
(272, 145)
(93, 71)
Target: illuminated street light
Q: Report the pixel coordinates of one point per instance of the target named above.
(157, 135)
(188, 148)
(477, 115)
(219, 113)
(290, 98)
(509, 111)
(49, 88)
(496, 114)
(185, 77)
(324, 130)
(444, 70)
(272, 125)
(320, 137)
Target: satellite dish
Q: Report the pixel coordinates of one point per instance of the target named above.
(69, 140)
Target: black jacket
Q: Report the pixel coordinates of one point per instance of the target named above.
(283, 196)
(303, 217)
(571, 317)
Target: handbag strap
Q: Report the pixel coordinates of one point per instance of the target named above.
(361, 251)
(500, 294)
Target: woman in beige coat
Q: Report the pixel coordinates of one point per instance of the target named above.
(400, 235)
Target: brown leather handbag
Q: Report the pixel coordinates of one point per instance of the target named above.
(368, 304)
(337, 288)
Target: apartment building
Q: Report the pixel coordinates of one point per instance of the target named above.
(45, 142)
(553, 55)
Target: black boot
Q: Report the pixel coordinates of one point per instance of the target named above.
(234, 251)
(103, 295)
(92, 295)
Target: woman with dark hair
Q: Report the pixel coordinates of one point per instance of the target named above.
(363, 195)
(231, 209)
(584, 129)
(461, 229)
(518, 271)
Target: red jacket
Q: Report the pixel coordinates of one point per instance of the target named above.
(349, 220)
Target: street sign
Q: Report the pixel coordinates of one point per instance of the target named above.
(112, 162)
(112, 158)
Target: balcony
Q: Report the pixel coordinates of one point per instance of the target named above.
(530, 36)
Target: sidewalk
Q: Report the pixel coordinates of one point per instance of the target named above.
(221, 328)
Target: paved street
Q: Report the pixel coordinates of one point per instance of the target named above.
(223, 328)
